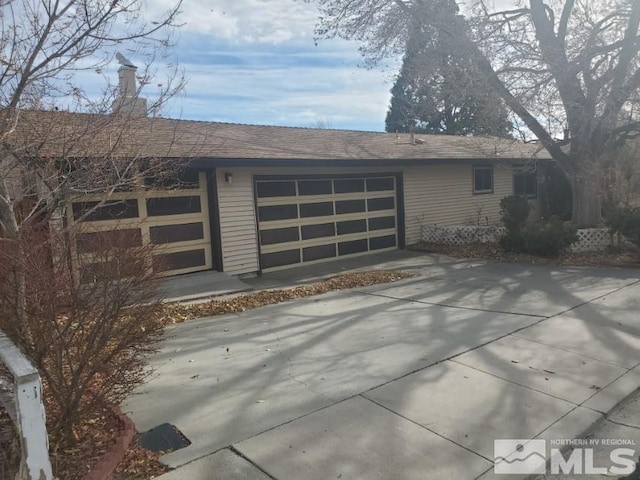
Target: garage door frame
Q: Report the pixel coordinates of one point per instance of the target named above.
(399, 210)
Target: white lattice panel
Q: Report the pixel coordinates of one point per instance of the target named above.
(592, 240)
(461, 234)
(589, 239)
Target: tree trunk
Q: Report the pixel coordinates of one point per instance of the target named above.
(587, 205)
(14, 233)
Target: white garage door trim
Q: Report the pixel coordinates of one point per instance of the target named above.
(300, 218)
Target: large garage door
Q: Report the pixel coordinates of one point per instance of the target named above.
(175, 221)
(313, 220)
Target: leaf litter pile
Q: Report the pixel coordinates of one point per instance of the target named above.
(139, 463)
(178, 312)
(492, 251)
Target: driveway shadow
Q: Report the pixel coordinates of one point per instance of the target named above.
(226, 379)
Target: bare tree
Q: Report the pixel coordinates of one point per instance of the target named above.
(61, 140)
(558, 64)
(58, 138)
(45, 45)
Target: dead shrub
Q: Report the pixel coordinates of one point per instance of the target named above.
(87, 331)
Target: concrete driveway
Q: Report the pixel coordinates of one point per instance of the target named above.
(413, 379)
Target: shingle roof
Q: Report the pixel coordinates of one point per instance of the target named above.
(80, 134)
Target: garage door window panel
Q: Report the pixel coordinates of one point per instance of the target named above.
(162, 206)
(279, 235)
(277, 212)
(110, 210)
(350, 206)
(353, 246)
(318, 231)
(351, 185)
(384, 203)
(278, 259)
(179, 260)
(380, 184)
(319, 252)
(377, 243)
(110, 270)
(382, 223)
(176, 233)
(321, 209)
(351, 226)
(105, 240)
(314, 187)
(276, 189)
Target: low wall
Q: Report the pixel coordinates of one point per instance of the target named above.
(589, 239)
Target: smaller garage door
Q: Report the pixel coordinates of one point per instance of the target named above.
(174, 221)
(303, 221)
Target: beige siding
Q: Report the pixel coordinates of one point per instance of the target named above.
(237, 222)
(443, 195)
(438, 194)
(238, 229)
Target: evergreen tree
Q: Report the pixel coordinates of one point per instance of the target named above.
(439, 91)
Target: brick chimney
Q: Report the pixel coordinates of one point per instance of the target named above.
(128, 102)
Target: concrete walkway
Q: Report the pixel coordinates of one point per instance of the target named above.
(200, 285)
(413, 379)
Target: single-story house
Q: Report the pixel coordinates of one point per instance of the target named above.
(260, 198)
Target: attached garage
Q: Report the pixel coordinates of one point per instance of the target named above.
(311, 219)
(174, 221)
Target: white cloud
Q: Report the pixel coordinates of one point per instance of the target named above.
(254, 61)
(246, 21)
(340, 96)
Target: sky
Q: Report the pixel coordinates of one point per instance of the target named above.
(255, 61)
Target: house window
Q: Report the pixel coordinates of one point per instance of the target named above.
(483, 179)
(525, 184)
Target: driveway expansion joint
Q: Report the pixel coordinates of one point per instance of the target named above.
(237, 452)
(424, 427)
(444, 305)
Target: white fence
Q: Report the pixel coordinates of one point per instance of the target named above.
(589, 239)
(24, 405)
(461, 234)
(592, 240)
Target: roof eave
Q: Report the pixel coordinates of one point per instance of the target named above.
(204, 162)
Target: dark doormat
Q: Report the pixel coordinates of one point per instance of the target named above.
(163, 438)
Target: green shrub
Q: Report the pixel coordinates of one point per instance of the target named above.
(624, 220)
(514, 211)
(546, 237)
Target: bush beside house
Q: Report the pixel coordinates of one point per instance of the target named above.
(624, 221)
(527, 233)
